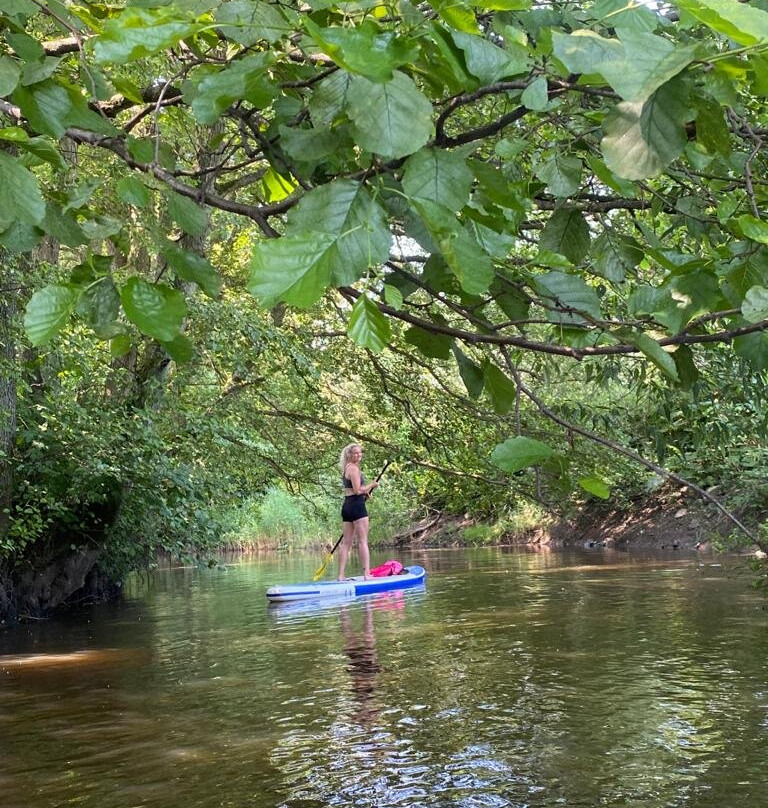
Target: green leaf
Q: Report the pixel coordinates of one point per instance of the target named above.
(9, 75)
(368, 327)
(502, 5)
(520, 453)
(753, 348)
(500, 389)
(305, 145)
(615, 255)
(245, 78)
(471, 374)
(686, 367)
(368, 49)
(755, 305)
(180, 349)
(568, 298)
(561, 173)
(641, 139)
(711, 127)
(345, 210)
(99, 306)
(393, 296)
(621, 15)
(157, 310)
(330, 98)
(26, 47)
(191, 217)
(596, 486)
(440, 176)
(53, 106)
(248, 22)
(663, 360)
(438, 346)
(139, 32)
(635, 67)
(20, 237)
(487, 62)
(21, 193)
(47, 311)
(63, 226)
(567, 233)
(133, 191)
(465, 257)
(392, 119)
(584, 51)
(294, 269)
(35, 72)
(119, 345)
(457, 14)
(22, 8)
(649, 62)
(753, 228)
(536, 95)
(192, 267)
(740, 22)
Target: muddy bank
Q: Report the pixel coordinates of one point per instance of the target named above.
(671, 520)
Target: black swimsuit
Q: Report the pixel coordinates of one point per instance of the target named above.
(354, 505)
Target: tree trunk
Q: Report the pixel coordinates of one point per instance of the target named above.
(7, 393)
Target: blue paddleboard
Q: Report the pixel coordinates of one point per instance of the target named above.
(350, 588)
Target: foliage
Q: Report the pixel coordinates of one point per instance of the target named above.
(516, 247)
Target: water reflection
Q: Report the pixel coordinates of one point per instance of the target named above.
(363, 666)
(608, 681)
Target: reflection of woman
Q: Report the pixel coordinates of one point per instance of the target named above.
(363, 665)
(354, 514)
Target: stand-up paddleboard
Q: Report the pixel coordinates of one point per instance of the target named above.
(350, 588)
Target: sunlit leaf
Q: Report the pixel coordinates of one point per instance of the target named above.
(595, 486)
(157, 310)
(192, 267)
(139, 32)
(393, 118)
(367, 49)
(437, 175)
(742, 22)
(641, 139)
(755, 305)
(368, 327)
(520, 453)
(47, 311)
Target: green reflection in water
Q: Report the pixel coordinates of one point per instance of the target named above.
(514, 679)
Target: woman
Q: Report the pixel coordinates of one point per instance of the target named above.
(354, 515)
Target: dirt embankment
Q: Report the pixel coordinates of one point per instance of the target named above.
(670, 520)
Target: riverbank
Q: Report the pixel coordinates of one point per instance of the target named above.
(667, 520)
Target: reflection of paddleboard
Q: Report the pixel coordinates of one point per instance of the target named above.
(346, 589)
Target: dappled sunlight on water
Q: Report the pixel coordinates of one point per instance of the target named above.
(608, 681)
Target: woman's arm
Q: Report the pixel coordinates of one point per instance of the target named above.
(353, 475)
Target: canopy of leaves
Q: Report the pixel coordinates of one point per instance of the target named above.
(493, 190)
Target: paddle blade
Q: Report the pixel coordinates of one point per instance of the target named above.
(320, 571)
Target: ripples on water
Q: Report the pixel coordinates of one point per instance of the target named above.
(513, 679)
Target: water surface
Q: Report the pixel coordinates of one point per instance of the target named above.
(515, 678)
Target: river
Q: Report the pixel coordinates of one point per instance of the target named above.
(514, 678)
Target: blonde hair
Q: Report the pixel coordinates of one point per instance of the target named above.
(344, 456)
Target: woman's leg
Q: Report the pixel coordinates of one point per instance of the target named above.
(361, 529)
(348, 533)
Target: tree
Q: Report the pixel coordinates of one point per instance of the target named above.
(494, 183)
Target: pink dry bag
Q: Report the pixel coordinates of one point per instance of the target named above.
(387, 568)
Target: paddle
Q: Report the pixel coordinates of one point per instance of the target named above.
(320, 571)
